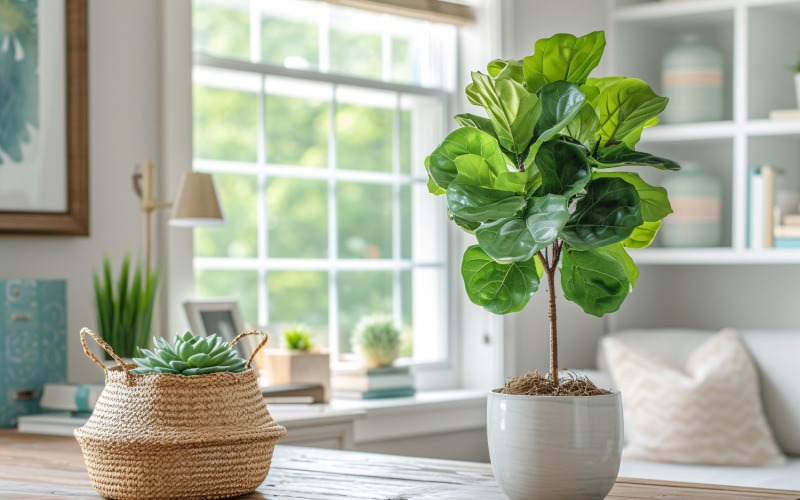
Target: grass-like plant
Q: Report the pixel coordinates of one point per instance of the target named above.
(536, 181)
(125, 306)
(298, 338)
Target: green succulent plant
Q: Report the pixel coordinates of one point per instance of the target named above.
(190, 355)
(378, 339)
(298, 338)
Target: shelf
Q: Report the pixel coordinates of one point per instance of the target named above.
(692, 12)
(690, 132)
(772, 127)
(714, 256)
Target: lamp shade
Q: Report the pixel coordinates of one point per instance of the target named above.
(197, 203)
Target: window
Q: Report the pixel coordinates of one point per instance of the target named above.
(315, 120)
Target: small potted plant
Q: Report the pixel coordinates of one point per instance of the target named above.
(377, 340)
(125, 307)
(300, 362)
(534, 183)
(186, 420)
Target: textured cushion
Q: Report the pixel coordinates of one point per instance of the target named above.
(709, 414)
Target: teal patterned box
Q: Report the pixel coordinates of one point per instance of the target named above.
(33, 343)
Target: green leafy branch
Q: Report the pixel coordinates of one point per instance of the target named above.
(531, 180)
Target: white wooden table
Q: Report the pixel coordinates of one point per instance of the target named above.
(34, 467)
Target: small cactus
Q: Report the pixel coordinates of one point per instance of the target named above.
(378, 340)
(190, 355)
(298, 338)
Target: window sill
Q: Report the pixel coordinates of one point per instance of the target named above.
(429, 412)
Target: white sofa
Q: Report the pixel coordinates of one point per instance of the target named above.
(776, 353)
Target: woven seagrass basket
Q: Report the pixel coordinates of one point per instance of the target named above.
(174, 436)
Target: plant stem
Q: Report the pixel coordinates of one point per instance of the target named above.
(550, 270)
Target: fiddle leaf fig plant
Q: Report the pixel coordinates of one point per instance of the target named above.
(533, 180)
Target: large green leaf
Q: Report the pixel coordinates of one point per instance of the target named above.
(583, 127)
(518, 239)
(500, 288)
(635, 135)
(607, 213)
(478, 122)
(433, 188)
(598, 279)
(620, 154)
(477, 204)
(474, 170)
(546, 217)
(506, 68)
(642, 236)
(654, 201)
(464, 141)
(601, 84)
(563, 57)
(511, 108)
(564, 167)
(625, 106)
(514, 181)
(560, 102)
(466, 225)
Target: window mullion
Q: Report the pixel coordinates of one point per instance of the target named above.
(333, 235)
(261, 210)
(397, 297)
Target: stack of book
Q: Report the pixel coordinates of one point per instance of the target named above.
(75, 403)
(372, 383)
(787, 235)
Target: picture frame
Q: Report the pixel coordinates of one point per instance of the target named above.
(71, 217)
(219, 316)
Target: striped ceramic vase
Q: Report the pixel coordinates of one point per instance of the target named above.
(692, 78)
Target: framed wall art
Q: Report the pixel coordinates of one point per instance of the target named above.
(44, 129)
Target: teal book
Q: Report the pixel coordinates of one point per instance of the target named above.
(399, 392)
(787, 242)
(33, 344)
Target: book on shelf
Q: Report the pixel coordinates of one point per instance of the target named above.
(293, 393)
(359, 370)
(787, 231)
(784, 114)
(785, 242)
(80, 398)
(371, 382)
(791, 220)
(398, 392)
(62, 423)
(761, 218)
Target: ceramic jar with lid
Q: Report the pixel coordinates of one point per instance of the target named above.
(696, 199)
(692, 77)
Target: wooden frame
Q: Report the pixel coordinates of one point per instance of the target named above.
(75, 221)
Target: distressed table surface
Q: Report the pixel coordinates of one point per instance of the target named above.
(52, 467)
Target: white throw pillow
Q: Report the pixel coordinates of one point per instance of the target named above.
(708, 414)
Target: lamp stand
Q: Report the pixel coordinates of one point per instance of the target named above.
(144, 186)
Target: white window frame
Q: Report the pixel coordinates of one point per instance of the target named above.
(476, 344)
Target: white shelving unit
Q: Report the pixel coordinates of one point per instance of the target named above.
(758, 40)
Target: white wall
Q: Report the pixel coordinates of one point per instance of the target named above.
(124, 129)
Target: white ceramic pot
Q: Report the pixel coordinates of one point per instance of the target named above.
(553, 447)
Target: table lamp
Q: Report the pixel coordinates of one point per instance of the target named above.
(197, 203)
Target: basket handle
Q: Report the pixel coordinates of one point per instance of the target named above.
(258, 347)
(102, 343)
